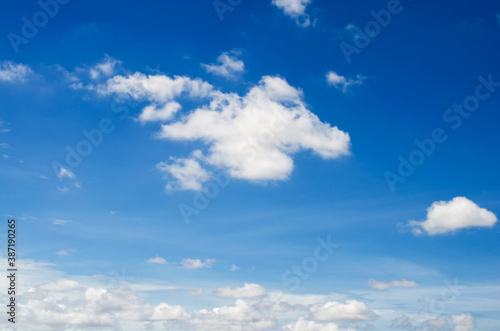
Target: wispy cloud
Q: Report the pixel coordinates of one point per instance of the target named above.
(61, 222)
(344, 83)
(16, 73)
(157, 260)
(228, 65)
(63, 172)
(197, 263)
(376, 285)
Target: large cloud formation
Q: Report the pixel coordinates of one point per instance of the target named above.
(251, 137)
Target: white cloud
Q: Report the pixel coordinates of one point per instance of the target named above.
(105, 68)
(251, 137)
(62, 253)
(463, 322)
(248, 291)
(197, 263)
(61, 285)
(164, 312)
(186, 174)
(61, 222)
(254, 136)
(376, 285)
(448, 216)
(343, 83)
(156, 88)
(153, 114)
(11, 72)
(303, 325)
(63, 172)
(234, 267)
(352, 310)
(158, 260)
(295, 9)
(228, 65)
(3, 130)
(63, 189)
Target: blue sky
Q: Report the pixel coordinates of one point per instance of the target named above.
(220, 149)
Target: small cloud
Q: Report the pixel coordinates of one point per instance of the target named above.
(63, 172)
(186, 174)
(105, 68)
(376, 285)
(63, 189)
(61, 222)
(197, 263)
(3, 130)
(77, 185)
(445, 217)
(4, 145)
(43, 177)
(234, 268)
(5, 156)
(62, 253)
(295, 9)
(113, 212)
(158, 260)
(228, 65)
(153, 113)
(343, 83)
(248, 291)
(11, 72)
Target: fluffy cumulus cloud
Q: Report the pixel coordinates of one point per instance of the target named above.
(303, 325)
(343, 83)
(228, 65)
(248, 291)
(376, 285)
(16, 73)
(184, 174)
(449, 216)
(295, 9)
(251, 137)
(463, 322)
(352, 310)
